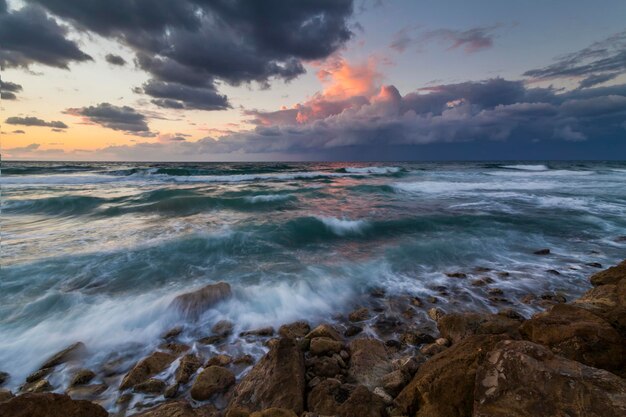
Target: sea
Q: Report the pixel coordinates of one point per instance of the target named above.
(96, 252)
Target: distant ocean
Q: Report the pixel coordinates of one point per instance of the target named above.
(96, 251)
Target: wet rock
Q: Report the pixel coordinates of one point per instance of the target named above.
(69, 353)
(577, 334)
(150, 386)
(511, 314)
(360, 314)
(609, 302)
(324, 330)
(542, 252)
(432, 349)
(495, 291)
(369, 362)
(171, 391)
(553, 272)
(324, 346)
(380, 392)
(49, 405)
(331, 398)
(243, 360)
(225, 360)
(294, 330)
(594, 264)
(277, 380)
(456, 275)
(274, 412)
(86, 392)
(175, 348)
(41, 385)
(5, 395)
(37, 375)
(521, 378)
(324, 367)
(416, 338)
(147, 367)
(4, 377)
(378, 292)
(612, 275)
(480, 282)
(444, 385)
(394, 381)
(262, 332)
(223, 328)
(212, 340)
(409, 365)
(211, 381)
(436, 313)
(550, 296)
(352, 331)
(387, 324)
(82, 377)
(189, 364)
(172, 333)
(193, 303)
(457, 326)
(433, 300)
(179, 409)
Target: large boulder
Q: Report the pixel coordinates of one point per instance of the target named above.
(274, 412)
(609, 302)
(577, 334)
(611, 275)
(331, 398)
(147, 367)
(179, 409)
(521, 378)
(212, 380)
(444, 385)
(193, 303)
(189, 364)
(49, 405)
(276, 381)
(69, 353)
(457, 326)
(369, 362)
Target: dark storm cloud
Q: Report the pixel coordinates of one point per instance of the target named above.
(602, 61)
(8, 90)
(192, 43)
(29, 36)
(123, 118)
(34, 121)
(115, 60)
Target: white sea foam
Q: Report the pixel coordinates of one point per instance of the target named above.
(538, 173)
(441, 187)
(372, 170)
(342, 227)
(526, 167)
(265, 198)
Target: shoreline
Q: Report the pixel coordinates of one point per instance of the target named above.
(376, 361)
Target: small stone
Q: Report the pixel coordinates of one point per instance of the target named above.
(189, 364)
(394, 381)
(416, 301)
(360, 314)
(436, 313)
(212, 340)
(432, 349)
(416, 338)
(222, 328)
(314, 381)
(172, 333)
(594, 264)
(211, 381)
(38, 386)
(263, 332)
(150, 386)
(86, 392)
(324, 346)
(82, 377)
(344, 355)
(243, 360)
(352, 331)
(37, 375)
(456, 275)
(495, 291)
(542, 252)
(553, 272)
(442, 341)
(324, 330)
(387, 399)
(219, 360)
(171, 391)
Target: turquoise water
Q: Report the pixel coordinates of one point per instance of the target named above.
(96, 251)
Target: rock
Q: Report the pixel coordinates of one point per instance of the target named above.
(324, 367)
(436, 313)
(147, 367)
(212, 340)
(577, 334)
(69, 353)
(553, 272)
(387, 399)
(378, 292)
(594, 264)
(432, 349)
(360, 314)
(324, 346)
(172, 333)
(294, 330)
(49, 405)
(480, 282)
(457, 326)
(175, 348)
(352, 331)
(369, 362)
(223, 360)
(277, 380)
(331, 398)
(150, 386)
(4, 377)
(550, 296)
(82, 377)
(444, 385)
(521, 378)
(86, 392)
(612, 275)
(416, 338)
(223, 328)
(274, 412)
(263, 332)
(171, 391)
(542, 252)
(243, 360)
(409, 365)
(5, 395)
(41, 385)
(193, 303)
(394, 381)
(324, 330)
(37, 375)
(456, 275)
(609, 302)
(189, 364)
(212, 380)
(179, 409)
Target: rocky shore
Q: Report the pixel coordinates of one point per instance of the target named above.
(378, 361)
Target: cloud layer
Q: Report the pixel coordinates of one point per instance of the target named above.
(107, 115)
(34, 121)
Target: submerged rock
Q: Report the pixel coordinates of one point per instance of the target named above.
(147, 367)
(69, 353)
(150, 386)
(521, 378)
(41, 385)
(82, 377)
(189, 364)
(4, 377)
(212, 380)
(277, 380)
(193, 303)
(49, 405)
(542, 252)
(179, 409)
(86, 392)
(360, 314)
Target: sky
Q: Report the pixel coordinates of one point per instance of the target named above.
(245, 80)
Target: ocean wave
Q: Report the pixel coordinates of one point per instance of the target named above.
(343, 227)
(549, 173)
(441, 187)
(61, 205)
(372, 170)
(538, 167)
(268, 198)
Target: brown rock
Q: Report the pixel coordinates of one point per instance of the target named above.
(324, 366)
(147, 367)
(82, 377)
(37, 375)
(189, 364)
(277, 380)
(211, 381)
(611, 275)
(394, 381)
(457, 326)
(222, 328)
(150, 386)
(352, 331)
(4, 377)
(179, 409)
(324, 330)
(5, 395)
(193, 303)
(263, 332)
(331, 398)
(86, 392)
(49, 405)
(325, 346)
(175, 348)
(444, 385)
(69, 353)
(436, 313)
(577, 334)
(369, 362)
(456, 275)
(171, 391)
(172, 333)
(41, 385)
(432, 349)
(294, 330)
(274, 412)
(520, 379)
(360, 314)
(221, 360)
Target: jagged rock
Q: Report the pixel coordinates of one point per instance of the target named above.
(37, 375)
(611, 275)
(521, 378)
(69, 353)
(325, 330)
(41, 385)
(147, 367)
(5, 395)
(324, 346)
(277, 380)
(394, 381)
(369, 362)
(172, 333)
(221, 360)
(324, 366)
(444, 385)
(171, 391)
(82, 377)
(223, 328)
(193, 303)
(179, 409)
(294, 330)
(352, 331)
(86, 392)
(360, 314)
(150, 386)
(49, 405)
(577, 334)
(436, 313)
(457, 326)
(274, 412)
(175, 348)
(331, 398)
(211, 381)
(189, 364)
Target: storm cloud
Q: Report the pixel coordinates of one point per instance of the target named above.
(193, 43)
(8, 90)
(115, 60)
(122, 118)
(34, 121)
